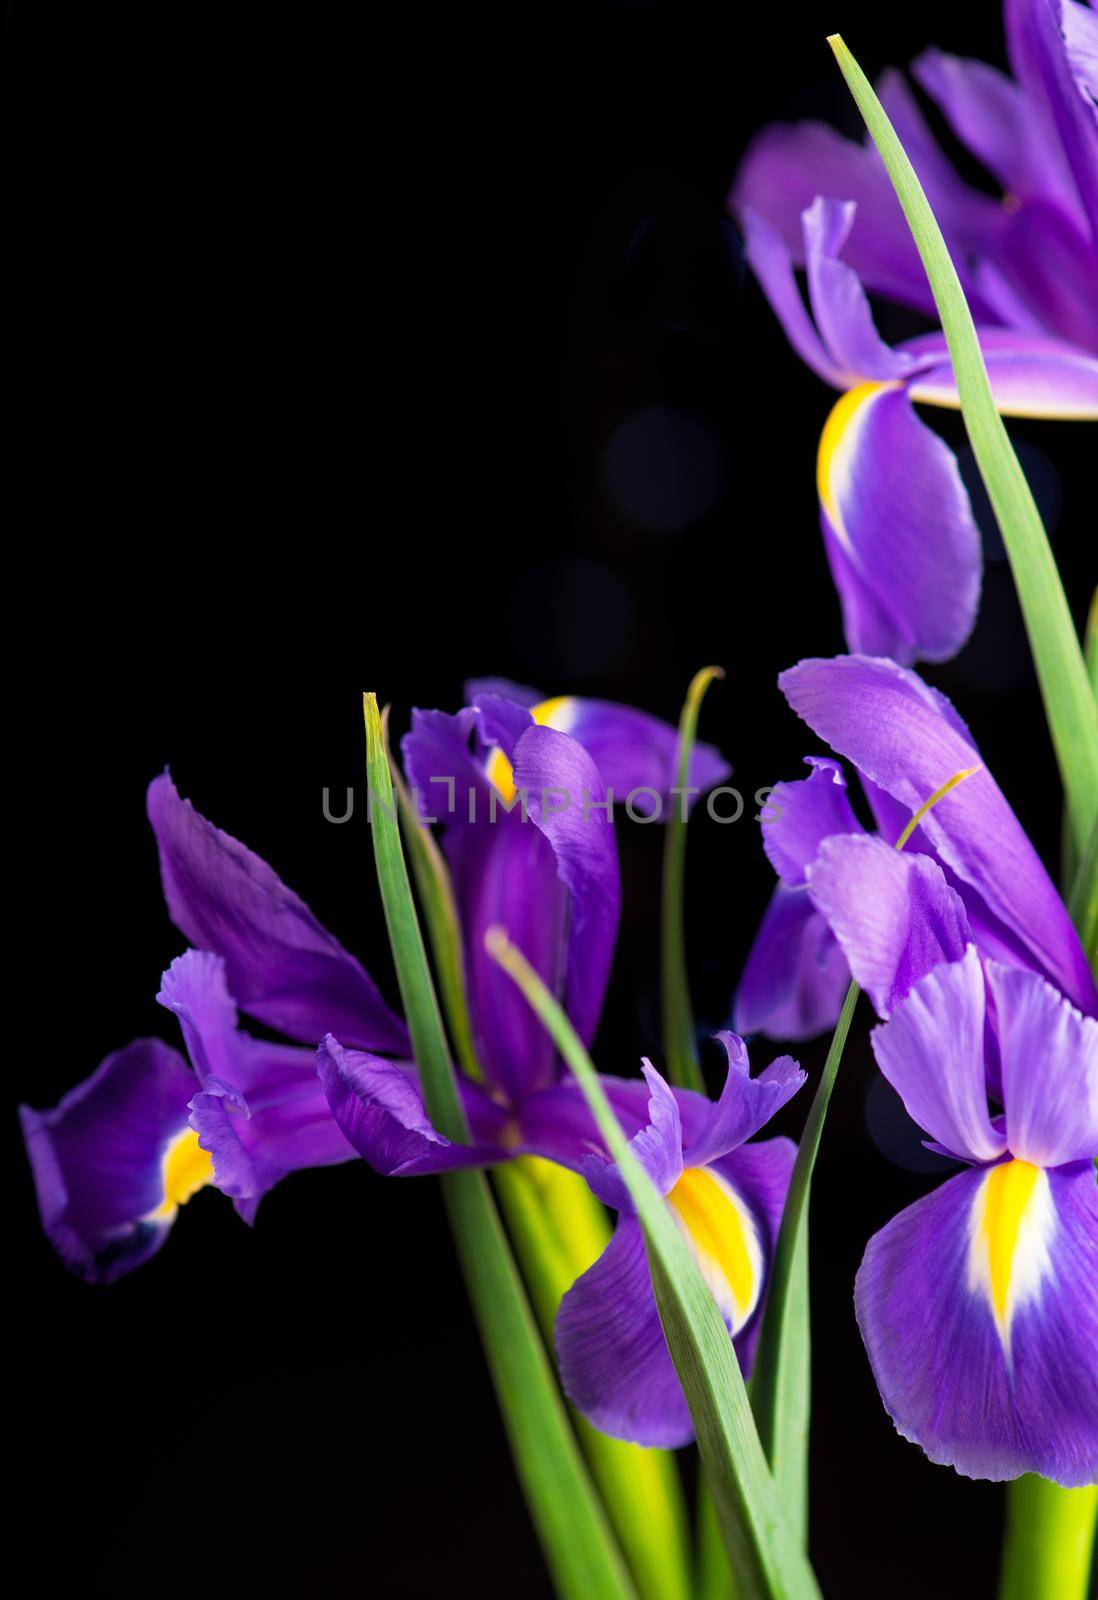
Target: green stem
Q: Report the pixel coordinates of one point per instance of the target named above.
(1049, 1544)
(559, 1229)
(679, 1044)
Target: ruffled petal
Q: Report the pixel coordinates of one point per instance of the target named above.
(1049, 1057)
(907, 739)
(901, 540)
(260, 1111)
(379, 1109)
(284, 968)
(658, 1148)
(932, 1053)
(799, 816)
(981, 1321)
(795, 976)
(114, 1159)
(746, 1104)
(893, 914)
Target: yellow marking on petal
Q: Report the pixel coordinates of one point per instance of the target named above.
(722, 1235)
(1011, 1219)
(835, 435)
(559, 713)
(187, 1168)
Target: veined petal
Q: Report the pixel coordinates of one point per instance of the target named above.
(979, 1310)
(746, 1104)
(1049, 1057)
(380, 1111)
(795, 975)
(900, 536)
(799, 816)
(658, 1148)
(615, 1366)
(1031, 376)
(115, 1159)
(932, 1053)
(893, 914)
(259, 1110)
(284, 968)
(908, 740)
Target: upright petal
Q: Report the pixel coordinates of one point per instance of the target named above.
(380, 1111)
(839, 302)
(284, 968)
(908, 740)
(981, 1325)
(1049, 1069)
(658, 1148)
(115, 1159)
(566, 795)
(795, 975)
(787, 166)
(900, 536)
(746, 1104)
(632, 750)
(770, 260)
(799, 816)
(893, 914)
(260, 1110)
(932, 1053)
(1051, 72)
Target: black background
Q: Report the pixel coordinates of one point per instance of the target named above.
(331, 323)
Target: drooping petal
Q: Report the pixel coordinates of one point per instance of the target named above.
(893, 914)
(115, 1159)
(1031, 375)
(260, 1110)
(978, 1306)
(379, 1109)
(566, 794)
(746, 1104)
(284, 968)
(795, 976)
(799, 816)
(614, 1362)
(899, 533)
(613, 1357)
(839, 302)
(908, 740)
(1049, 1069)
(932, 1053)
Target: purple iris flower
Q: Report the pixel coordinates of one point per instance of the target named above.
(847, 901)
(979, 1304)
(898, 528)
(115, 1160)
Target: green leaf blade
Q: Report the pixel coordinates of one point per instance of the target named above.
(579, 1547)
(768, 1562)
